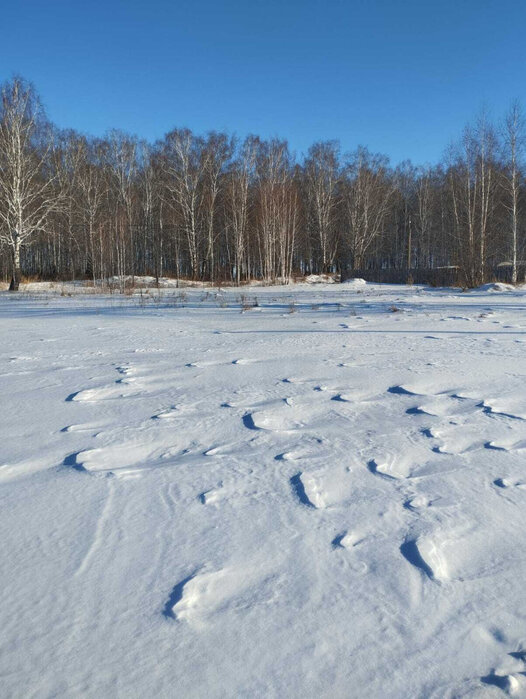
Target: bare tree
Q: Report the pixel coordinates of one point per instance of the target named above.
(513, 142)
(424, 215)
(204, 206)
(90, 196)
(237, 200)
(276, 199)
(322, 179)
(124, 166)
(486, 144)
(27, 192)
(184, 170)
(472, 178)
(367, 196)
(217, 151)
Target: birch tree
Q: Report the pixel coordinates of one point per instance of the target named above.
(217, 151)
(367, 196)
(276, 209)
(514, 139)
(90, 197)
(486, 147)
(27, 192)
(322, 178)
(185, 171)
(237, 202)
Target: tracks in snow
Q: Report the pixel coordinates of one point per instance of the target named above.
(100, 527)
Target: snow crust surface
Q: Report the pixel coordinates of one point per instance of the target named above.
(308, 491)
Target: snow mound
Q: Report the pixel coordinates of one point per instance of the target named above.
(356, 282)
(145, 281)
(495, 286)
(319, 279)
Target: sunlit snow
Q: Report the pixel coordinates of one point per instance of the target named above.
(314, 490)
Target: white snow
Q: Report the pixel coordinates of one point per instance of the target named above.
(496, 286)
(319, 279)
(355, 282)
(314, 496)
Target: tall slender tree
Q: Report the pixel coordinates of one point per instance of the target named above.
(513, 143)
(27, 182)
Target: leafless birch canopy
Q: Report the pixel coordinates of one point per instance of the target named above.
(214, 207)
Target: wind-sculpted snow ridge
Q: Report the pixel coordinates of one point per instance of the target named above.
(198, 598)
(208, 501)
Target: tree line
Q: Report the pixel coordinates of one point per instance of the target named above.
(214, 207)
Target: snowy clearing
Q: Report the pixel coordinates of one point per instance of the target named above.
(317, 490)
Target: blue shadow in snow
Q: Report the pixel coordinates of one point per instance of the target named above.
(337, 541)
(71, 462)
(299, 490)
(410, 552)
(249, 423)
(400, 391)
(176, 595)
(496, 681)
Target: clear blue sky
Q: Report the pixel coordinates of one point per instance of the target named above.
(399, 76)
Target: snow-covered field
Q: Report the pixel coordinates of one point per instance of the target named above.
(322, 495)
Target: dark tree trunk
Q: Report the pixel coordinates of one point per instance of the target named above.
(15, 278)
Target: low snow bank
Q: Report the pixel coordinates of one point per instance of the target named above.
(495, 286)
(355, 282)
(319, 279)
(138, 281)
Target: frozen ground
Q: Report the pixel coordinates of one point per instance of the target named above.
(323, 495)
